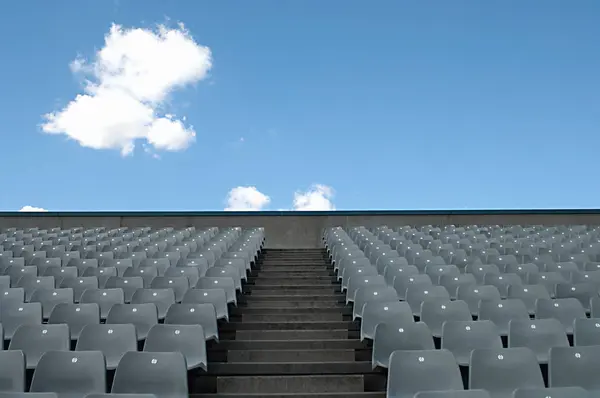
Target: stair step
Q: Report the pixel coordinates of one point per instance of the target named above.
(293, 304)
(321, 344)
(295, 368)
(288, 355)
(292, 274)
(291, 334)
(290, 384)
(333, 297)
(291, 317)
(289, 286)
(240, 311)
(311, 290)
(293, 325)
(297, 395)
(302, 280)
(293, 268)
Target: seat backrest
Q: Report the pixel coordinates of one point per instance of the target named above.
(194, 314)
(390, 337)
(501, 371)
(76, 316)
(112, 340)
(556, 392)
(143, 316)
(462, 337)
(575, 366)
(187, 339)
(14, 315)
(68, 372)
(586, 332)
(163, 374)
(411, 372)
(35, 340)
(12, 371)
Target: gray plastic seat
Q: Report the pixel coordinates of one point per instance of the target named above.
(143, 316)
(375, 312)
(479, 270)
(12, 371)
(129, 285)
(435, 312)
(575, 367)
(390, 337)
(583, 292)
(163, 298)
(31, 283)
(472, 295)
(28, 395)
(356, 269)
(105, 298)
(501, 371)
(402, 282)
(411, 372)
(216, 297)
(528, 294)
(435, 272)
(16, 272)
(186, 339)
(163, 374)
(179, 285)
(368, 294)
(586, 332)
(462, 337)
(227, 271)
(540, 335)
(227, 284)
(70, 374)
(146, 273)
(566, 310)
(76, 316)
(357, 281)
(35, 340)
(556, 392)
(12, 295)
(502, 281)
(60, 273)
(548, 279)
(195, 314)
(4, 282)
(14, 315)
(112, 340)
(192, 273)
(416, 295)
(80, 285)
(391, 271)
(502, 312)
(454, 394)
(453, 282)
(51, 297)
(108, 395)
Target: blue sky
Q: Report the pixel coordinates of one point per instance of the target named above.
(388, 104)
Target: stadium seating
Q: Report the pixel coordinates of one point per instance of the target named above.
(401, 311)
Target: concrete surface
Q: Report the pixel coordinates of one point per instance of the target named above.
(295, 229)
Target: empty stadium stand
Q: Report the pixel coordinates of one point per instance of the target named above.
(403, 311)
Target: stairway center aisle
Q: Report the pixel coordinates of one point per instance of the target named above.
(291, 335)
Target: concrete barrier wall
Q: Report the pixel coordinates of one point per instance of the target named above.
(297, 229)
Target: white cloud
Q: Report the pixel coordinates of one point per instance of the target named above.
(32, 209)
(317, 197)
(126, 88)
(246, 198)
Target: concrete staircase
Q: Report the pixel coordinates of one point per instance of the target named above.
(290, 336)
